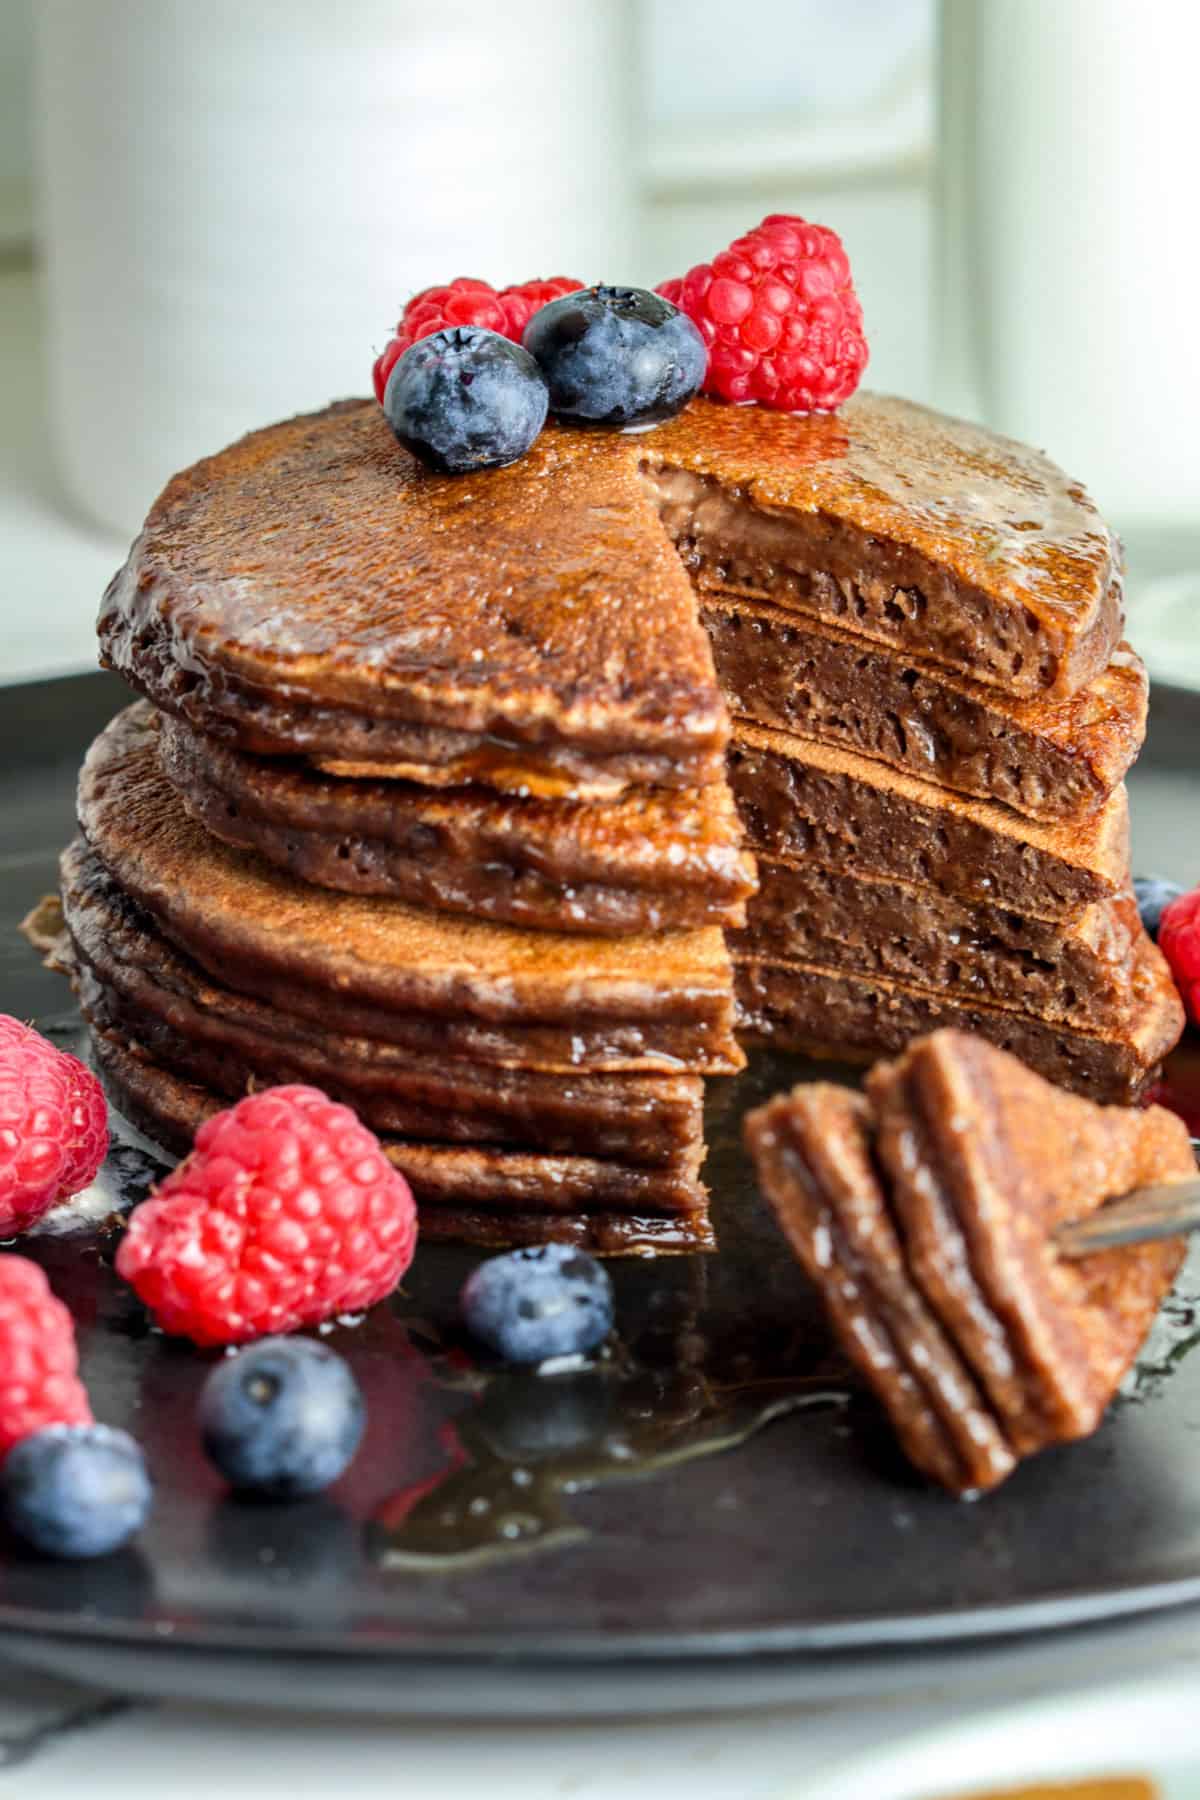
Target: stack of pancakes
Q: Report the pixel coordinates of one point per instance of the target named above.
(438, 800)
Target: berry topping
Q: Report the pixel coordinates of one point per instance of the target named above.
(39, 1366)
(468, 302)
(1152, 895)
(284, 1417)
(53, 1126)
(286, 1213)
(616, 356)
(465, 399)
(1179, 941)
(780, 317)
(77, 1490)
(529, 1305)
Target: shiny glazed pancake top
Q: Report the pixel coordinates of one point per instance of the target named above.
(312, 590)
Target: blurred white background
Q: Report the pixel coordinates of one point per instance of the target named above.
(210, 216)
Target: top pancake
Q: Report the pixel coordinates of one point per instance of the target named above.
(970, 550)
(312, 590)
(537, 613)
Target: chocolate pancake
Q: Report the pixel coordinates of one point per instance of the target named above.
(386, 970)
(488, 1198)
(828, 1012)
(311, 590)
(1048, 759)
(907, 527)
(813, 1154)
(984, 1161)
(132, 981)
(925, 1215)
(651, 860)
(1082, 972)
(804, 801)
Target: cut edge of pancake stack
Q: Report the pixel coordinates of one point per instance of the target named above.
(932, 847)
(521, 982)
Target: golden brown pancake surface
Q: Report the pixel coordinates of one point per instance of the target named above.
(313, 589)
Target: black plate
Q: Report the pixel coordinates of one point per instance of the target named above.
(711, 1514)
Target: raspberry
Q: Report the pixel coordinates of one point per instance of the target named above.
(780, 316)
(467, 302)
(39, 1379)
(286, 1213)
(1179, 941)
(53, 1126)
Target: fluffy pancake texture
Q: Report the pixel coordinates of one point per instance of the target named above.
(925, 1214)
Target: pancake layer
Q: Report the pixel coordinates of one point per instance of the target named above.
(388, 970)
(1081, 972)
(807, 801)
(829, 1012)
(312, 591)
(133, 981)
(652, 860)
(483, 1197)
(1047, 759)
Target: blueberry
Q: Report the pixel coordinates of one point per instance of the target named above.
(283, 1417)
(465, 398)
(532, 1304)
(76, 1490)
(616, 356)
(1152, 894)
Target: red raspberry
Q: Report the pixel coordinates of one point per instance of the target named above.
(468, 302)
(53, 1126)
(780, 316)
(39, 1379)
(1179, 941)
(286, 1213)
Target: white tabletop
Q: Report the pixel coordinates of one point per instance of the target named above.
(56, 1738)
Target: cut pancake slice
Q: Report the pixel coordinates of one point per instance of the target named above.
(813, 1155)
(807, 801)
(655, 859)
(1045, 759)
(984, 1159)
(925, 1215)
(387, 970)
(908, 527)
(1082, 973)
(132, 981)
(830, 1012)
(484, 1197)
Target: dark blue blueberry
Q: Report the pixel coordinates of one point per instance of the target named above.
(465, 398)
(616, 356)
(283, 1417)
(1152, 894)
(532, 1304)
(76, 1490)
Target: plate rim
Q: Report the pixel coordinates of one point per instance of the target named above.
(1046, 1616)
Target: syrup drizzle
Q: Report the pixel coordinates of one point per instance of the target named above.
(535, 1439)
